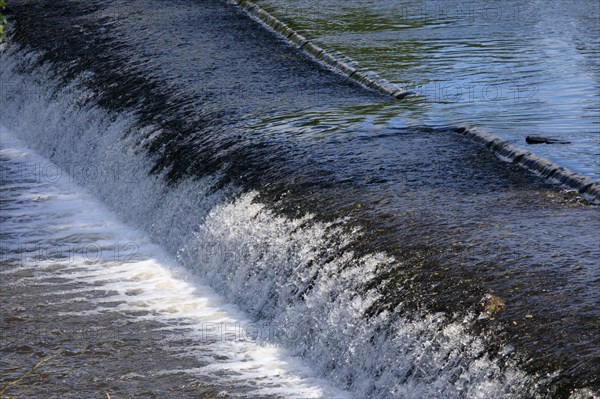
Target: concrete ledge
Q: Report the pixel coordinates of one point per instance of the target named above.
(320, 55)
(504, 150)
(549, 170)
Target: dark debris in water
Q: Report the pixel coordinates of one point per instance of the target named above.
(544, 140)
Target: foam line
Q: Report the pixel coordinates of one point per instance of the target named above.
(151, 285)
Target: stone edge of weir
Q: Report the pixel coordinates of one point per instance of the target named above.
(543, 167)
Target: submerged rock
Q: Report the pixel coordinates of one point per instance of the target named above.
(492, 304)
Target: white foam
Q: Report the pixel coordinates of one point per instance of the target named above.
(160, 285)
(293, 277)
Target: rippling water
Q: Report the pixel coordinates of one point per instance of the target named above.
(515, 67)
(357, 225)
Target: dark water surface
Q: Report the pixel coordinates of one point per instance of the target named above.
(515, 67)
(352, 223)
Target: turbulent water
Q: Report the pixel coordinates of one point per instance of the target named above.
(103, 300)
(347, 242)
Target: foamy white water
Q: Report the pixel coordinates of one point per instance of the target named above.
(293, 276)
(50, 234)
(273, 268)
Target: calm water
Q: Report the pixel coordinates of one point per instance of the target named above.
(516, 67)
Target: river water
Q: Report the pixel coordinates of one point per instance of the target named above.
(192, 208)
(514, 67)
(113, 313)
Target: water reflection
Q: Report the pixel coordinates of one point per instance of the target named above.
(515, 67)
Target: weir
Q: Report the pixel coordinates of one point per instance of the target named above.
(372, 246)
(370, 80)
